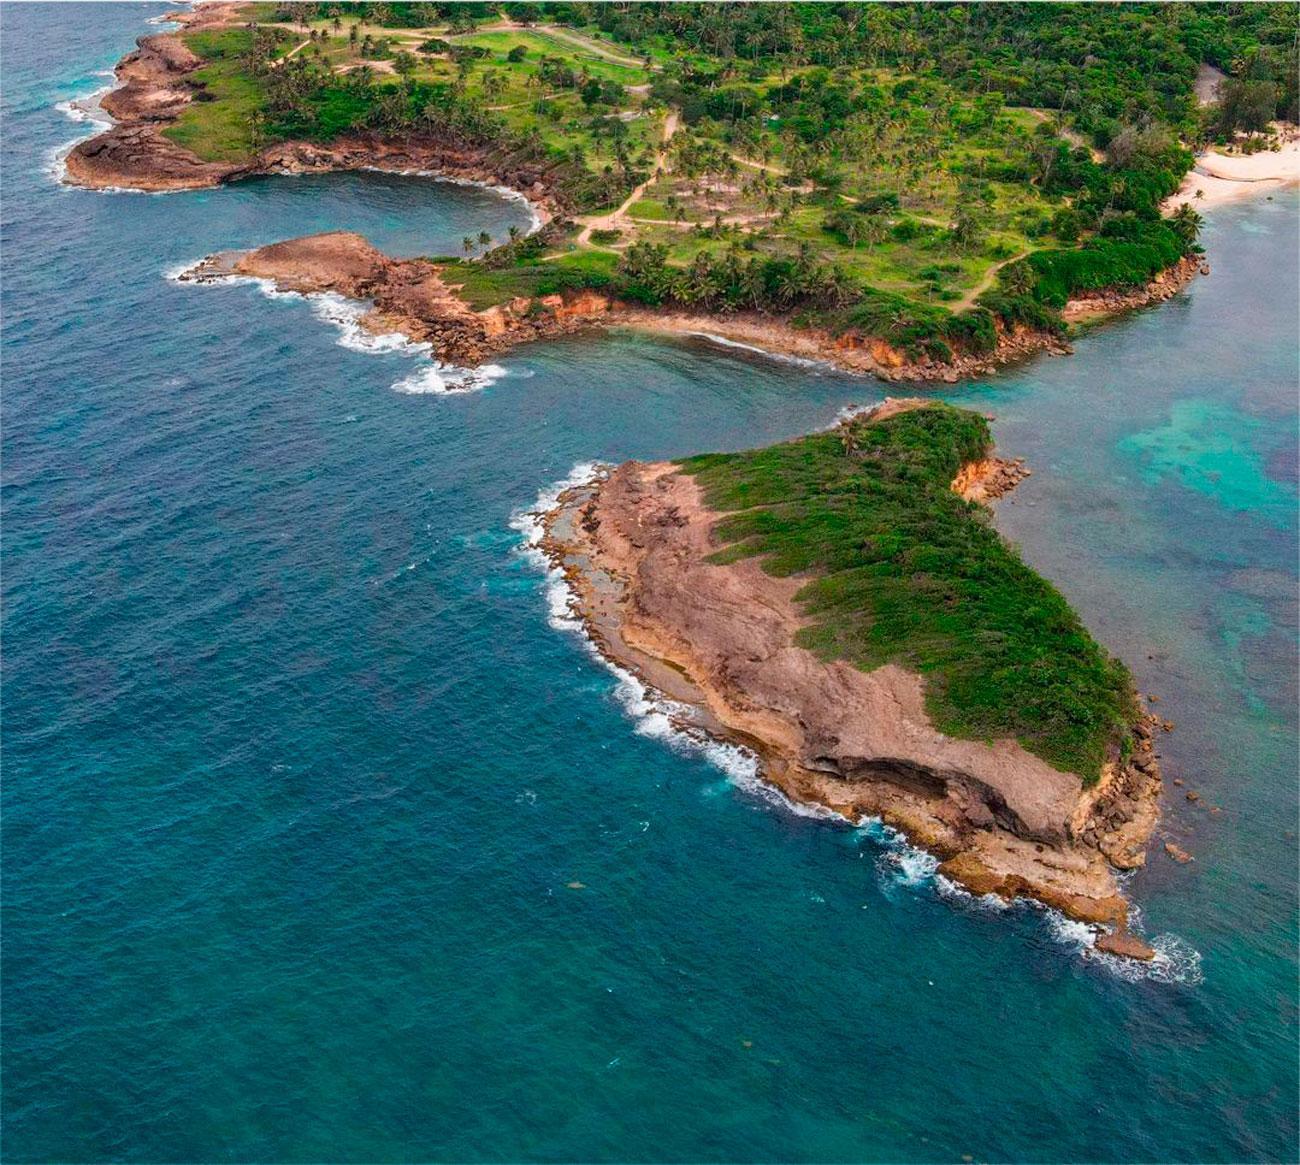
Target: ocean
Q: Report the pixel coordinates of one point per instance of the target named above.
(325, 838)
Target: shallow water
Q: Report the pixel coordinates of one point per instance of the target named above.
(298, 774)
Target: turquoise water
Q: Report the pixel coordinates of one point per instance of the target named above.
(297, 773)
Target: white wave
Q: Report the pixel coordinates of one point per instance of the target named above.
(84, 110)
(901, 863)
(346, 315)
(904, 865)
(178, 272)
(445, 379)
(1175, 961)
(782, 357)
(848, 412)
(87, 108)
(655, 715)
(431, 376)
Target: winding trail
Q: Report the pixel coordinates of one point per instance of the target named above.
(616, 219)
(968, 300)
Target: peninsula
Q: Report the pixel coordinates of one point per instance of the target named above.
(841, 605)
(891, 190)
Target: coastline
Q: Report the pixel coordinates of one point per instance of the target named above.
(151, 91)
(410, 299)
(410, 296)
(132, 154)
(632, 544)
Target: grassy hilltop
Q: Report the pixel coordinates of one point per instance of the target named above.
(907, 572)
(918, 173)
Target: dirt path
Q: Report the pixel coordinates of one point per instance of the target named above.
(616, 219)
(968, 300)
(771, 169)
(577, 40)
(293, 52)
(1072, 136)
(735, 220)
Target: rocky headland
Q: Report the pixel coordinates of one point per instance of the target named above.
(637, 548)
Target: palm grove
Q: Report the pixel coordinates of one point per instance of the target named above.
(871, 158)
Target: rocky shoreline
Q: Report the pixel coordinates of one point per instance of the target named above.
(406, 295)
(634, 547)
(134, 154)
(410, 296)
(156, 85)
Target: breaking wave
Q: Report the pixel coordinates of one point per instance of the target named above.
(783, 357)
(902, 865)
(430, 377)
(84, 110)
(653, 714)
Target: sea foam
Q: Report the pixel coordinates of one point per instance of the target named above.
(782, 357)
(84, 110)
(653, 714)
(430, 377)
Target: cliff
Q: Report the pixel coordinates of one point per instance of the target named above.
(158, 81)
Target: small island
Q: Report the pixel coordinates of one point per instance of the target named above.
(894, 191)
(842, 605)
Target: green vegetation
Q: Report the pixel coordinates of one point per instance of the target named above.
(223, 125)
(925, 174)
(907, 572)
(484, 284)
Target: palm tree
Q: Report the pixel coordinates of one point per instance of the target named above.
(467, 243)
(484, 238)
(1187, 222)
(1017, 279)
(513, 232)
(873, 230)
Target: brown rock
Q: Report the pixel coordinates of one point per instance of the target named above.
(1126, 945)
(1177, 852)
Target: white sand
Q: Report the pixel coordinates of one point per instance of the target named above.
(1219, 178)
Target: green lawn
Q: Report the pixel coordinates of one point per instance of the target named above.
(539, 44)
(483, 286)
(221, 129)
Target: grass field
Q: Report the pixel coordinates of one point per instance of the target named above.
(482, 286)
(220, 129)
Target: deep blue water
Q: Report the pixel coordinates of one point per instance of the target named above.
(297, 775)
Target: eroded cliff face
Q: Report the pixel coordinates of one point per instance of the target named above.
(722, 638)
(157, 82)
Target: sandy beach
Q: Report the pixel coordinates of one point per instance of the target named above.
(1219, 178)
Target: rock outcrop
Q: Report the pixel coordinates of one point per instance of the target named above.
(1112, 301)
(158, 82)
(721, 637)
(407, 295)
